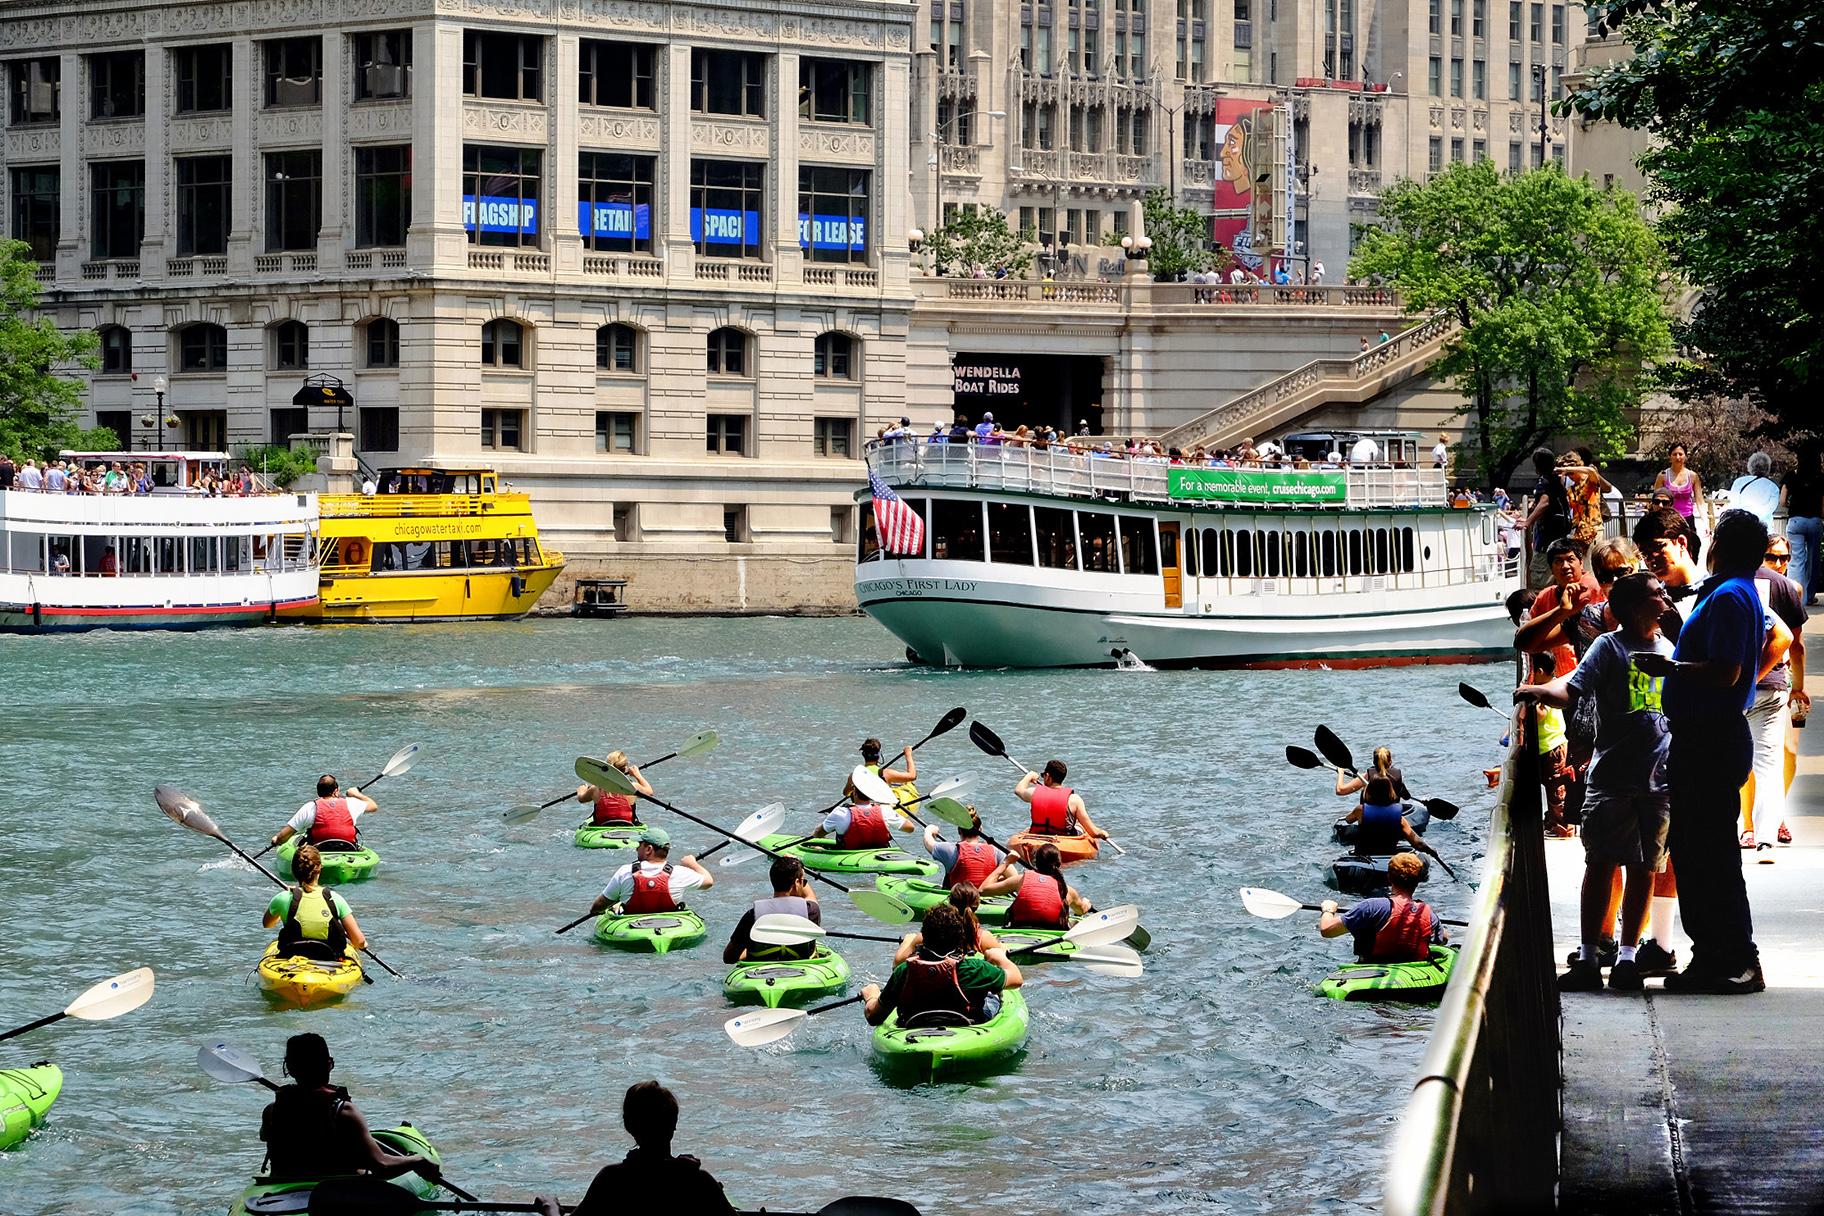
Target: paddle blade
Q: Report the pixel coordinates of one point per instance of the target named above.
(111, 998)
(1106, 925)
(402, 761)
(362, 1197)
(1474, 696)
(1303, 757)
(948, 722)
(784, 929)
(226, 1063)
(763, 1026)
(986, 739)
(888, 909)
(520, 813)
(866, 1205)
(1119, 961)
(870, 786)
(952, 788)
(698, 744)
(1333, 748)
(183, 809)
(763, 822)
(604, 776)
(1269, 904)
(1441, 808)
(952, 812)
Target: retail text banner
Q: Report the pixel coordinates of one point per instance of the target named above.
(1256, 486)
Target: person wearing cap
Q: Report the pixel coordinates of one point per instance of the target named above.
(313, 1130)
(654, 882)
(986, 433)
(1082, 426)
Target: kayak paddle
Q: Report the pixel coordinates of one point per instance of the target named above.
(101, 1002)
(231, 1064)
(763, 822)
(1092, 935)
(1304, 757)
(402, 761)
(699, 743)
(957, 815)
(784, 929)
(1271, 905)
(944, 788)
(1334, 750)
(989, 742)
(185, 812)
(945, 725)
(373, 1197)
(763, 1026)
(888, 909)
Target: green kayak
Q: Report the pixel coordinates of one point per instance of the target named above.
(25, 1095)
(785, 981)
(922, 895)
(609, 835)
(340, 866)
(653, 931)
(927, 1051)
(821, 855)
(1419, 981)
(268, 1198)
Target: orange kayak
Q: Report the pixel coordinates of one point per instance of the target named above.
(1072, 848)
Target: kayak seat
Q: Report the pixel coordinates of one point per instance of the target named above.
(338, 846)
(315, 951)
(933, 1019)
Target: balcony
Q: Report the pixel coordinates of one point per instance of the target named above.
(119, 270)
(623, 266)
(279, 263)
(185, 268)
(498, 260)
(854, 279)
(710, 271)
(384, 259)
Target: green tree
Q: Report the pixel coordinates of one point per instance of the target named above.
(1181, 239)
(1733, 93)
(38, 407)
(1557, 287)
(980, 239)
(279, 464)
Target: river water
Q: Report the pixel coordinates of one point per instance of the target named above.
(1216, 1083)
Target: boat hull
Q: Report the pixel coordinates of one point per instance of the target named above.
(441, 596)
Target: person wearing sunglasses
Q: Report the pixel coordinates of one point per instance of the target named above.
(1780, 688)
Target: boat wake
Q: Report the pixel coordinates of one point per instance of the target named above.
(1127, 660)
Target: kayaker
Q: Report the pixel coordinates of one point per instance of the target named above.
(312, 1129)
(944, 975)
(654, 882)
(1042, 899)
(649, 1176)
(1383, 820)
(1057, 810)
(313, 922)
(870, 756)
(965, 897)
(611, 808)
(330, 819)
(1383, 764)
(1397, 928)
(861, 825)
(971, 859)
(792, 896)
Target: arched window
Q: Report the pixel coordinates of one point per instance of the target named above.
(836, 357)
(290, 347)
(503, 343)
(728, 352)
(116, 350)
(617, 348)
(380, 338)
(202, 347)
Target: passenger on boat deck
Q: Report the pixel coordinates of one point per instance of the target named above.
(60, 561)
(792, 896)
(944, 976)
(1057, 810)
(653, 882)
(313, 1130)
(110, 565)
(610, 807)
(56, 479)
(649, 1178)
(313, 922)
(971, 859)
(966, 898)
(1042, 898)
(331, 817)
(1397, 928)
(29, 476)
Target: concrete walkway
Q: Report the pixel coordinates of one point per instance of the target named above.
(1687, 1104)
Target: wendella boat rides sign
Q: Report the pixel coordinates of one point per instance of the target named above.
(1257, 486)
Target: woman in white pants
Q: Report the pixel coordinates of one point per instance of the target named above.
(1767, 716)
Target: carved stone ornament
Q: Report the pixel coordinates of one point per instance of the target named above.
(604, 130)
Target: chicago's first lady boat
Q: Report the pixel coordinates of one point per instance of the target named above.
(1000, 556)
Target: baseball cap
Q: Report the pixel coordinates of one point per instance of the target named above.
(658, 838)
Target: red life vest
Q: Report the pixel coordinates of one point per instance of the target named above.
(651, 892)
(931, 984)
(1038, 904)
(867, 829)
(1406, 937)
(612, 808)
(1051, 814)
(334, 821)
(975, 861)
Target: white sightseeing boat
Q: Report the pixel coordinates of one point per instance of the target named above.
(1050, 558)
(171, 559)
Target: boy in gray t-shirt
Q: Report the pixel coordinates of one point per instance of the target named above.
(1626, 805)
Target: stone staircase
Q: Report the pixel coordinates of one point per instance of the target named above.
(1319, 382)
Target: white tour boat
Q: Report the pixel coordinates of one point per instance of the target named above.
(171, 559)
(1049, 558)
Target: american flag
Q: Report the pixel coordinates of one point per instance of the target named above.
(899, 526)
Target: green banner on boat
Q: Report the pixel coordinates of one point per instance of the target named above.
(1256, 485)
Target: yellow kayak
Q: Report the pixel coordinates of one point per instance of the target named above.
(306, 982)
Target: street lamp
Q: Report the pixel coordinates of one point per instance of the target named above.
(1171, 139)
(159, 385)
(1544, 130)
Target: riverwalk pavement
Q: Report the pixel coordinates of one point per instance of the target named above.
(1691, 1104)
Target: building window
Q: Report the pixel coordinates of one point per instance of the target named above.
(383, 65)
(383, 196)
(381, 338)
(616, 74)
(1435, 16)
(1479, 150)
(833, 214)
(1456, 149)
(617, 348)
(117, 85)
(832, 90)
(204, 186)
(727, 207)
(1514, 154)
(118, 211)
(36, 88)
(116, 350)
(294, 72)
(1479, 19)
(1535, 26)
(626, 522)
(1558, 24)
(379, 428)
(728, 82)
(1479, 80)
(1436, 160)
(614, 201)
(202, 348)
(503, 429)
(1513, 82)
(734, 525)
(833, 436)
(286, 421)
(205, 78)
(835, 357)
(727, 434)
(505, 66)
(728, 352)
(1434, 76)
(37, 194)
(500, 193)
(294, 199)
(616, 431)
(1456, 18)
(502, 343)
(1456, 78)
(290, 347)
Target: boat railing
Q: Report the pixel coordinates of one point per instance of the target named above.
(391, 506)
(1070, 474)
(1480, 1129)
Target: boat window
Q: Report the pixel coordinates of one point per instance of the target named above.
(1056, 531)
(1407, 562)
(956, 530)
(1139, 554)
(1010, 533)
(1243, 555)
(135, 556)
(1381, 557)
(867, 545)
(1271, 554)
(1327, 555)
(164, 555)
(1190, 552)
(202, 555)
(1168, 550)
(1301, 555)
(1217, 553)
(1355, 552)
(1097, 529)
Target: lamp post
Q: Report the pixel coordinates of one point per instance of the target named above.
(159, 385)
(1544, 130)
(1171, 140)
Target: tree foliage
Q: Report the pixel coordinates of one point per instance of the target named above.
(980, 241)
(1733, 93)
(1180, 238)
(279, 464)
(38, 407)
(1719, 434)
(1557, 287)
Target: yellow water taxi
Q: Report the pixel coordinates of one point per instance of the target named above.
(430, 545)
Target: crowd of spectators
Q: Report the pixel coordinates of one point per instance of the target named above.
(126, 477)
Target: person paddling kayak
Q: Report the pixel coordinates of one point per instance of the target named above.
(860, 825)
(329, 819)
(1398, 928)
(1383, 819)
(971, 859)
(1384, 766)
(313, 922)
(792, 895)
(1057, 810)
(609, 808)
(943, 977)
(312, 1129)
(965, 898)
(654, 882)
(649, 1177)
(1042, 898)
